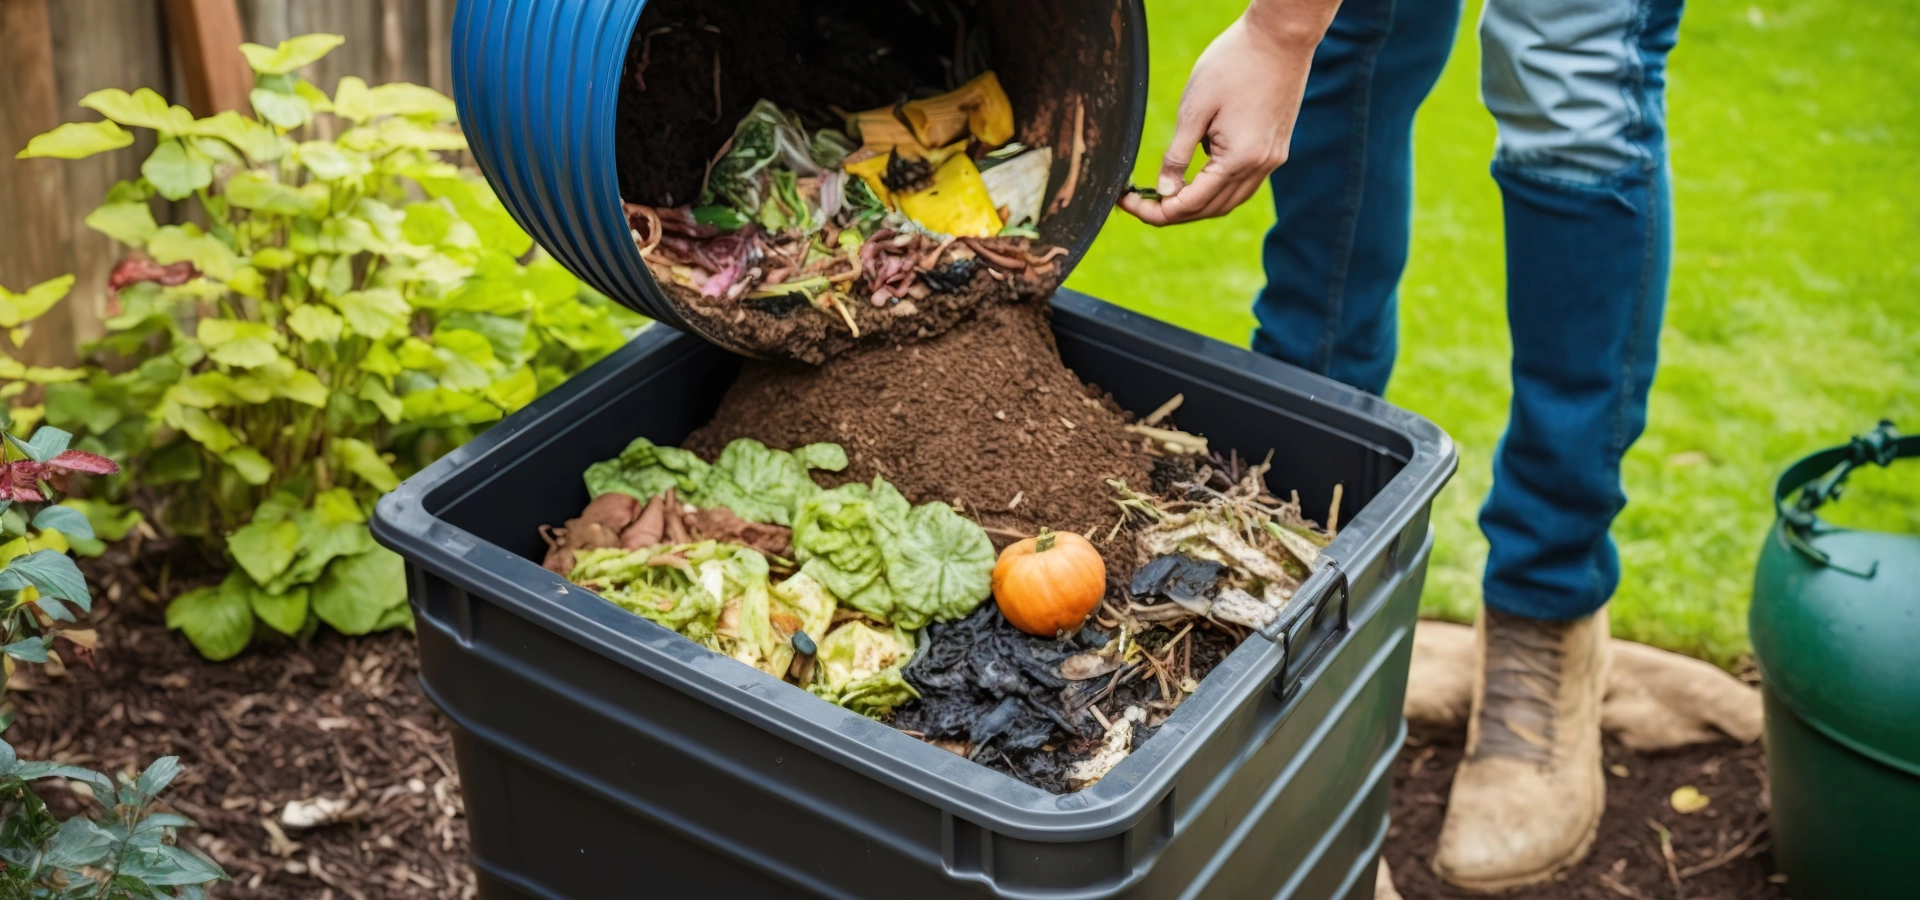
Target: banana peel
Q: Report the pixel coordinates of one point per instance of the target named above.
(957, 204)
(980, 107)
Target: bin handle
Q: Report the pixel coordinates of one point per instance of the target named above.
(1287, 628)
(1820, 478)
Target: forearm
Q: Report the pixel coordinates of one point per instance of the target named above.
(1296, 24)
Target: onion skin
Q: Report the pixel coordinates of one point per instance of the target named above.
(1049, 584)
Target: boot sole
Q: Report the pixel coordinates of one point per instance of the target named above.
(1498, 885)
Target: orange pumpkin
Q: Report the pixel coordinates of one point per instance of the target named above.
(1049, 584)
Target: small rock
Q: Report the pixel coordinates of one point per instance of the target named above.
(1687, 799)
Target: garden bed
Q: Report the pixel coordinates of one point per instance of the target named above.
(336, 719)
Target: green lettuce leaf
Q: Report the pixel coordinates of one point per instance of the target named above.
(645, 469)
(940, 566)
(764, 485)
(858, 667)
(904, 565)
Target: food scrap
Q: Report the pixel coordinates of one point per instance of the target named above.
(859, 224)
(871, 602)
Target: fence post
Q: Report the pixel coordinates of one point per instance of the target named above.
(34, 250)
(207, 33)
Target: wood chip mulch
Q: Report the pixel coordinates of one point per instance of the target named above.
(340, 720)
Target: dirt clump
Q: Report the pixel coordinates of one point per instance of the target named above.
(985, 417)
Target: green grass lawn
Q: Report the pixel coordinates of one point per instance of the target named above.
(1794, 317)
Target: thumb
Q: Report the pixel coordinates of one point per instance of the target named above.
(1186, 135)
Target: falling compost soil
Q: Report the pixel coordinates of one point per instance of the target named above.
(338, 718)
(985, 417)
(1719, 852)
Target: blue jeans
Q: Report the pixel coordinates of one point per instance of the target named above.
(1577, 90)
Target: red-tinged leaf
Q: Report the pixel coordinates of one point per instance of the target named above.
(82, 461)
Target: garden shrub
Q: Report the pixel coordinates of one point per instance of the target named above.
(337, 314)
(126, 853)
(41, 588)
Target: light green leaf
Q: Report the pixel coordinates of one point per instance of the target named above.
(248, 282)
(336, 506)
(761, 484)
(376, 313)
(471, 345)
(403, 99)
(246, 345)
(249, 136)
(141, 109)
(377, 394)
(258, 190)
(285, 110)
(69, 522)
(291, 54)
(381, 361)
(352, 100)
(176, 170)
(358, 591)
(174, 243)
(128, 223)
(19, 309)
(273, 259)
(438, 402)
(300, 386)
(77, 140)
(205, 430)
(427, 224)
(252, 466)
(264, 549)
(313, 322)
(514, 389)
(328, 162)
(285, 613)
(218, 620)
(359, 457)
(314, 96)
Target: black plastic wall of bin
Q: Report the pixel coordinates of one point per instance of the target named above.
(604, 756)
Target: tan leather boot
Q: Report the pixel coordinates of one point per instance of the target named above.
(1527, 797)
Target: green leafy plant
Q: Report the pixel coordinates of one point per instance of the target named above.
(350, 310)
(40, 587)
(126, 853)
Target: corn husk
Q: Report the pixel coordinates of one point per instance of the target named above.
(956, 204)
(980, 107)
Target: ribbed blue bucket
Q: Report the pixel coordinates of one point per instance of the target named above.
(538, 83)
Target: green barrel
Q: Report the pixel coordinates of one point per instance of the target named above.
(1836, 631)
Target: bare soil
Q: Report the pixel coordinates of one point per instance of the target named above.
(1718, 852)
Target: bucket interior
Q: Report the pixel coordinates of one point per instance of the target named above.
(1074, 70)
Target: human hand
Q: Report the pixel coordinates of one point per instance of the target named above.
(1241, 102)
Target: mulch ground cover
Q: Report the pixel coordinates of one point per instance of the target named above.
(340, 719)
(1717, 852)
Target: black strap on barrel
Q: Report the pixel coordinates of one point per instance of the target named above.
(1819, 479)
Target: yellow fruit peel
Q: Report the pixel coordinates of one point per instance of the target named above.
(956, 204)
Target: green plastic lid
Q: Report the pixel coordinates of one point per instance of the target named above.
(1836, 612)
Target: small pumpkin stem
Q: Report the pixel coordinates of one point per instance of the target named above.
(1045, 541)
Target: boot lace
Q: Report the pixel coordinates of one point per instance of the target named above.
(1525, 658)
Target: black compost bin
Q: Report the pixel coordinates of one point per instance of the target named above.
(572, 105)
(604, 756)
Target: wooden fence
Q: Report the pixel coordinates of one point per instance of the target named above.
(53, 52)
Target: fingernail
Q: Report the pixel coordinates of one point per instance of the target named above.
(1170, 186)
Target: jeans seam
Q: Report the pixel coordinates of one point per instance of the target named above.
(1357, 159)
